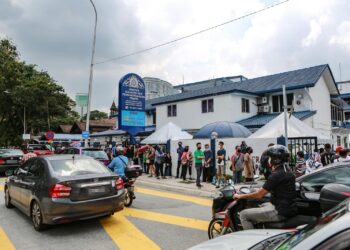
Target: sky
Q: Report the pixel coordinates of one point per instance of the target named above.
(56, 35)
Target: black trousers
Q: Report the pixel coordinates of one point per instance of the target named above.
(159, 168)
(184, 171)
(178, 169)
(190, 169)
(198, 167)
(207, 174)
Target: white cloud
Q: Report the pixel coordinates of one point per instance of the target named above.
(342, 38)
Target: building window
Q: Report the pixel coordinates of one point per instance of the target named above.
(277, 102)
(208, 106)
(154, 118)
(345, 142)
(336, 113)
(172, 110)
(338, 140)
(245, 105)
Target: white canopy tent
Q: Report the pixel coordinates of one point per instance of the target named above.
(169, 131)
(296, 128)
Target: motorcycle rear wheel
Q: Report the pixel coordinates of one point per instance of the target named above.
(128, 199)
(215, 228)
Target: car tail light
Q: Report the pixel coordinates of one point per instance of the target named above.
(119, 184)
(60, 191)
(2, 161)
(346, 194)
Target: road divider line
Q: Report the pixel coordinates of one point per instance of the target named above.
(1, 187)
(5, 243)
(168, 219)
(126, 235)
(198, 201)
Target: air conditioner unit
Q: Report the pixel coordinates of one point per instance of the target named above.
(261, 109)
(264, 100)
(267, 108)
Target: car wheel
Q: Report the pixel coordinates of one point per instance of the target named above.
(8, 199)
(128, 199)
(37, 217)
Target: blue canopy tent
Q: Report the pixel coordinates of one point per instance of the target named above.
(224, 129)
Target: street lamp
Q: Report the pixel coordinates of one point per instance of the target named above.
(91, 75)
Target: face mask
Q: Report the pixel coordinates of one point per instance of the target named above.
(238, 151)
(199, 148)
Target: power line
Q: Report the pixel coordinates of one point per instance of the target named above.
(192, 34)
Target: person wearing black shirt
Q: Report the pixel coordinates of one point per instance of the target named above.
(281, 185)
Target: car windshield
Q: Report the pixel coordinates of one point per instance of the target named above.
(8, 152)
(97, 154)
(327, 218)
(73, 167)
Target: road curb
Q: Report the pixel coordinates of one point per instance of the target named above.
(175, 189)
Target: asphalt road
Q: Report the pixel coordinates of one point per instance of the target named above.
(156, 220)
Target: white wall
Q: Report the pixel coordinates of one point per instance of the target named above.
(321, 102)
(227, 107)
(149, 119)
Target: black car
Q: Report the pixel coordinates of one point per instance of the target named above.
(10, 159)
(309, 186)
(59, 189)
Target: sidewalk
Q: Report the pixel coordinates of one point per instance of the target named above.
(177, 186)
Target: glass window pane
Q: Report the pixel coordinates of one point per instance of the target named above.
(174, 110)
(247, 108)
(275, 105)
(211, 105)
(204, 106)
(242, 105)
(169, 110)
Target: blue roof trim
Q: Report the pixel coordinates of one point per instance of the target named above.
(258, 121)
(296, 79)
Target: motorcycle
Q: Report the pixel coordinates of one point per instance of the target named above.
(226, 210)
(131, 174)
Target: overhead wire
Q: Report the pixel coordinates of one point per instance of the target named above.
(192, 34)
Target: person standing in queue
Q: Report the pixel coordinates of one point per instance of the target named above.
(221, 160)
(159, 161)
(248, 165)
(184, 163)
(281, 185)
(208, 164)
(198, 161)
(179, 152)
(237, 165)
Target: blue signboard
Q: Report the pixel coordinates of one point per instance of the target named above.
(131, 116)
(85, 134)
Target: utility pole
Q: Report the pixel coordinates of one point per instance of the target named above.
(91, 76)
(285, 107)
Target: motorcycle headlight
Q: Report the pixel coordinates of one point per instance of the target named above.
(217, 195)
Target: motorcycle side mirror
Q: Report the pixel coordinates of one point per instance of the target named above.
(297, 186)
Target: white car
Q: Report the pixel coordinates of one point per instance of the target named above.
(331, 231)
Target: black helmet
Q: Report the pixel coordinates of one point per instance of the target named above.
(278, 154)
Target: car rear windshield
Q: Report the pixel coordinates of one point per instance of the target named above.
(74, 167)
(97, 154)
(8, 152)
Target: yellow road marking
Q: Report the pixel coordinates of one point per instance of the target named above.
(168, 219)
(1, 187)
(126, 235)
(5, 242)
(199, 201)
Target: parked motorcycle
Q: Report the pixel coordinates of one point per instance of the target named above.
(226, 210)
(131, 174)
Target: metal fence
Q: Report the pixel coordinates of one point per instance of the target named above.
(304, 144)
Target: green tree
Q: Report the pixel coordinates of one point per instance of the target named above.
(96, 115)
(24, 88)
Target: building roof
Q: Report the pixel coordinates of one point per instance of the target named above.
(295, 79)
(260, 120)
(101, 123)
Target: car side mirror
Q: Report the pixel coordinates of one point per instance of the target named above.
(297, 186)
(9, 172)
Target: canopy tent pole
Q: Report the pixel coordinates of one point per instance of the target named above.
(285, 107)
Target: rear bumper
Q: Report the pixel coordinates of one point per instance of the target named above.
(58, 211)
(4, 168)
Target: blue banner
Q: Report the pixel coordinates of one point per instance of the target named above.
(131, 116)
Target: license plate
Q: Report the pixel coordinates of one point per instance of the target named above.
(97, 190)
(11, 161)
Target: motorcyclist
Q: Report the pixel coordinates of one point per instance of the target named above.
(119, 163)
(281, 185)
